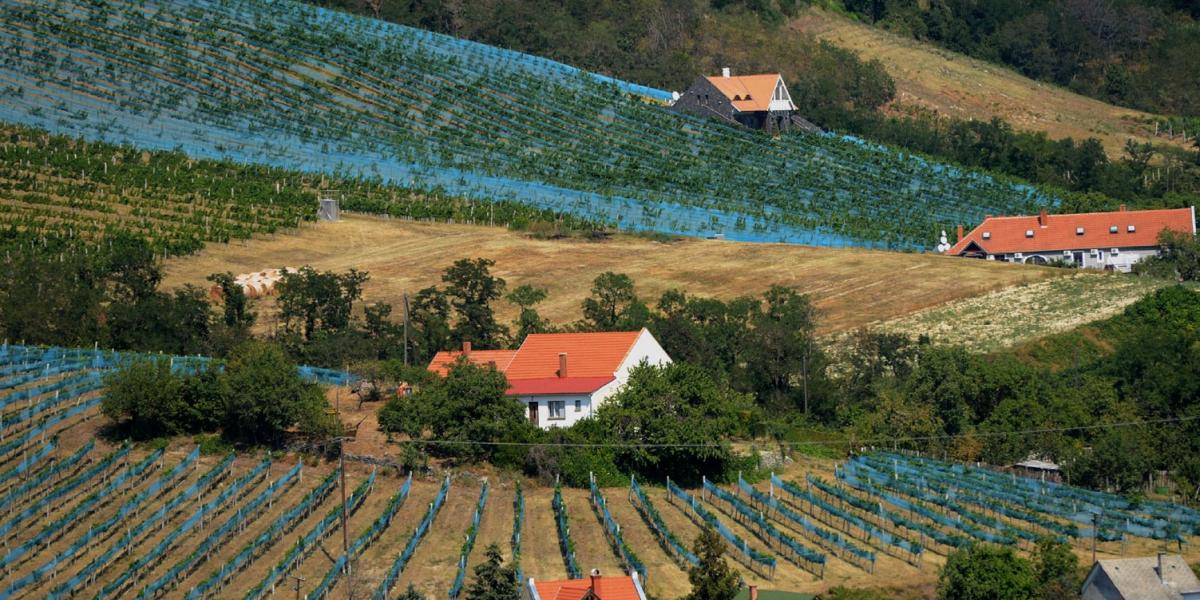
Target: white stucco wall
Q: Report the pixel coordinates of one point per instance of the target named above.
(1122, 261)
(645, 349)
(572, 415)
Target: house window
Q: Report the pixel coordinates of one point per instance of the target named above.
(558, 409)
(579, 406)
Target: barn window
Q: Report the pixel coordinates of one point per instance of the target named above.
(987, 235)
(1028, 233)
(1131, 228)
(1078, 231)
(1112, 229)
(747, 97)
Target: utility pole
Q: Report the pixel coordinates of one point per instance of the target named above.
(1095, 534)
(406, 329)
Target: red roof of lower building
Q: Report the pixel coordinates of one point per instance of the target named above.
(442, 360)
(1081, 231)
(588, 354)
(604, 588)
(556, 385)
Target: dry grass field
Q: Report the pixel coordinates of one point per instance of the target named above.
(958, 86)
(852, 287)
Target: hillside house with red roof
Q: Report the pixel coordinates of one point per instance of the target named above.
(754, 101)
(561, 378)
(1113, 241)
(595, 587)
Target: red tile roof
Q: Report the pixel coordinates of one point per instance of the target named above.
(556, 385)
(1134, 229)
(442, 360)
(606, 588)
(749, 93)
(588, 354)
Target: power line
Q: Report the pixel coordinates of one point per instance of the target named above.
(865, 441)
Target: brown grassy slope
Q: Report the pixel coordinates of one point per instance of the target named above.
(852, 287)
(958, 86)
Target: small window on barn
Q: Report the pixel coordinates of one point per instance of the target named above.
(1131, 228)
(1078, 231)
(987, 235)
(747, 97)
(737, 98)
(1112, 229)
(1028, 233)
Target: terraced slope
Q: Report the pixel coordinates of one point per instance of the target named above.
(299, 87)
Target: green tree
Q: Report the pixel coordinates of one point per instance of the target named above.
(493, 580)
(528, 320)
(986, 572)
(429, 325)
(144, 397)
(310, 301)
(1056, 568)
(267, 397)
(613, 305)
(786, 365)
(712, 578)
(682, 415)
(468, 405)
(236, 311)
(471, 289)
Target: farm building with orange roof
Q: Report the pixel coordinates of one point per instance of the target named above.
(561, 378)
(754, 101)
(1113, 241)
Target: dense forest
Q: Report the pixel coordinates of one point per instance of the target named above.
(1135, 53)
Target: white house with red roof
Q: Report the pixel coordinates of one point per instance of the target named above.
(1112, 241)
(561, 378)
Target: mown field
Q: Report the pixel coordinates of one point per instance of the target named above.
(82, 515)
(958, 86)
(852, 287)
(1026, 312)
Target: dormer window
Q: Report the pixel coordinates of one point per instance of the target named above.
(1028, 233)
(1131, 228)
(1112, 229)
(747, 97)
(1078, 231)
(737, 98)
(987, 235)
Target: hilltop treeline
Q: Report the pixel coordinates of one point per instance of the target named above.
(1136, 53)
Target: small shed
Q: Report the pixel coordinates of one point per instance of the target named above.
(330, 210)
(1037, 469)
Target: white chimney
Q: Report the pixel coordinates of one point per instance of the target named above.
(725, 72)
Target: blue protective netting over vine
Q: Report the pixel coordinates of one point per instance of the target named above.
(290, 85)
